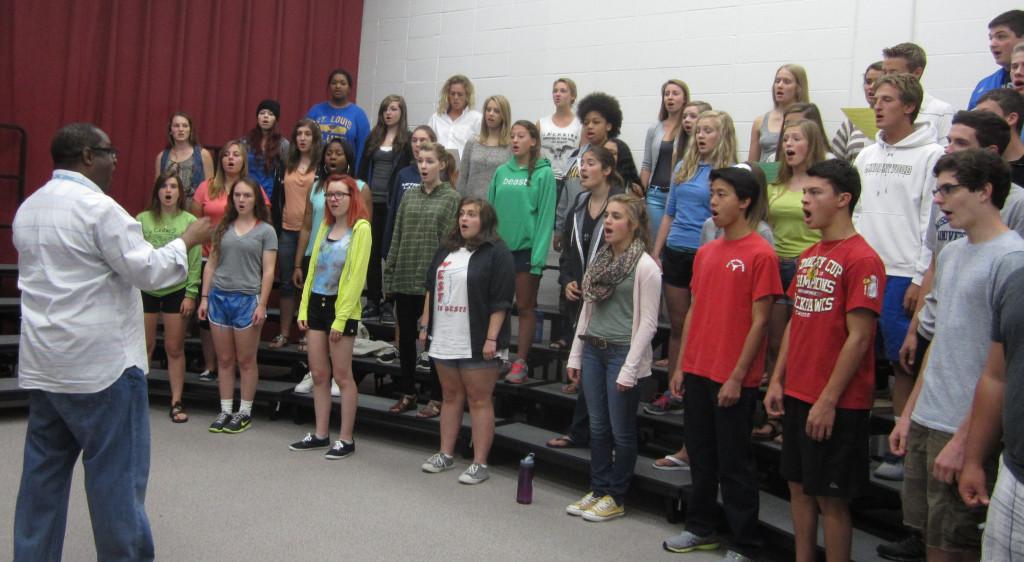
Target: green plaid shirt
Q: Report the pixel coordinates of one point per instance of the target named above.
(423, 220)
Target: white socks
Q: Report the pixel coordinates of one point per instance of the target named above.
(245, 407)
(225, 405)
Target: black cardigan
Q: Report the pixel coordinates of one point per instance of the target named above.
(570, 261)
(490, 286)
(277, 202)
(401, 156)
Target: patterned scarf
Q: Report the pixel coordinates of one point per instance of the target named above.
(607, 271)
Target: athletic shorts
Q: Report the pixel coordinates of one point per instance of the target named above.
(894, 321)
(932, 506)
(837, 467)
(677, 267)
(320, 315)
(522, 259)
(231, 310)
(168, 304)
(1003, 538)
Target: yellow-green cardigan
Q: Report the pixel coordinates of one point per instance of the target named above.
(348, 305)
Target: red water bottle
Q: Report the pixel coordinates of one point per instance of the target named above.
(524, 492)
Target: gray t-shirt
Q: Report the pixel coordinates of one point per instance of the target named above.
(1008, 329)
(380, 183)
(963, 321)
(476, 170)
(940, 234)
(240, 260)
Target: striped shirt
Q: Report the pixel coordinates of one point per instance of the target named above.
(424, 219)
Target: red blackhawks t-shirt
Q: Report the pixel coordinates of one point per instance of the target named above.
(728, 276)
(832, 279)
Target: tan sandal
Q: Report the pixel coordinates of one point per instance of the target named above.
(279, 341)
(405, 403)
(431, 410)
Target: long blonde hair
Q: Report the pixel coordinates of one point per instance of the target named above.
(817, 149)
(803, 92)
(636, 208)
(217, 183)
(722, 155)
(505, 109)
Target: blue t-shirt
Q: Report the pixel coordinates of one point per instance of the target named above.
(348, 122)
(689, 205)
(329, 263)
(263, 177)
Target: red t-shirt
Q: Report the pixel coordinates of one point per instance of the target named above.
(728, 276)
(832, 279)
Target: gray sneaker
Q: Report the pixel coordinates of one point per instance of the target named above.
(892, 471)
(438, 462)
(733, 555)
(475, 474)
(688, 542)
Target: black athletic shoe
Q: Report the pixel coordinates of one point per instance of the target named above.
(208, 376)
(239, 423)
(387, 314)
(371, 310)
(909, 549)
(309, 443)
(340, 450)
(218, 424)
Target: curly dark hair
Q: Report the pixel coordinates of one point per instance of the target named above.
(604, 104)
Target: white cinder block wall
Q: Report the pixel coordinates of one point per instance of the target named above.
(726, 50)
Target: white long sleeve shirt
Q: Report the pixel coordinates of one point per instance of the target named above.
(454, 134)
(81, 262)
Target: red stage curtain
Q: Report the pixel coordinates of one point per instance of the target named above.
(126, 65)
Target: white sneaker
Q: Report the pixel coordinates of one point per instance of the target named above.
(335, 391)
(305, 386)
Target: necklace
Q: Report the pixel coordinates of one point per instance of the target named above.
(819, 259)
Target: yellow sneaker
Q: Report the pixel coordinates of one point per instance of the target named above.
(586, 502)
(606, 508)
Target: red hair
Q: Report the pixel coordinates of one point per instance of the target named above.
(356, 208)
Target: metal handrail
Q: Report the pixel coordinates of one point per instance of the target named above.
(22, 158)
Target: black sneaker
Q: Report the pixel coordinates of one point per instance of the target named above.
(340, 450)
(208, 376)
(387, 314)
(387, 357)
(218, 424)
(309, 443)
(909, 549)
(239, 423)
(371, 310)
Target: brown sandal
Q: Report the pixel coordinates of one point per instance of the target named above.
(431, 410)
(279, 341)
(177, 411)
(405, 403)
(561, 442)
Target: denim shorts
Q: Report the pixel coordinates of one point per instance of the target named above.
(787, 271)
(469, 363)
(231, 310)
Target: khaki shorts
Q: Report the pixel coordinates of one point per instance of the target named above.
(932, 506)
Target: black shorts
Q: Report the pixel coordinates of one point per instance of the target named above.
(522, 259)
(677, 267)
(837, 467)
(320, 315)
(922, 348)
(168, 304)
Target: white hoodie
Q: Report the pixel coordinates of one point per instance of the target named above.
(896, 200)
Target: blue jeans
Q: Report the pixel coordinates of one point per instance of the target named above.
(110, 428)
(612, 421)
(656, 202)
